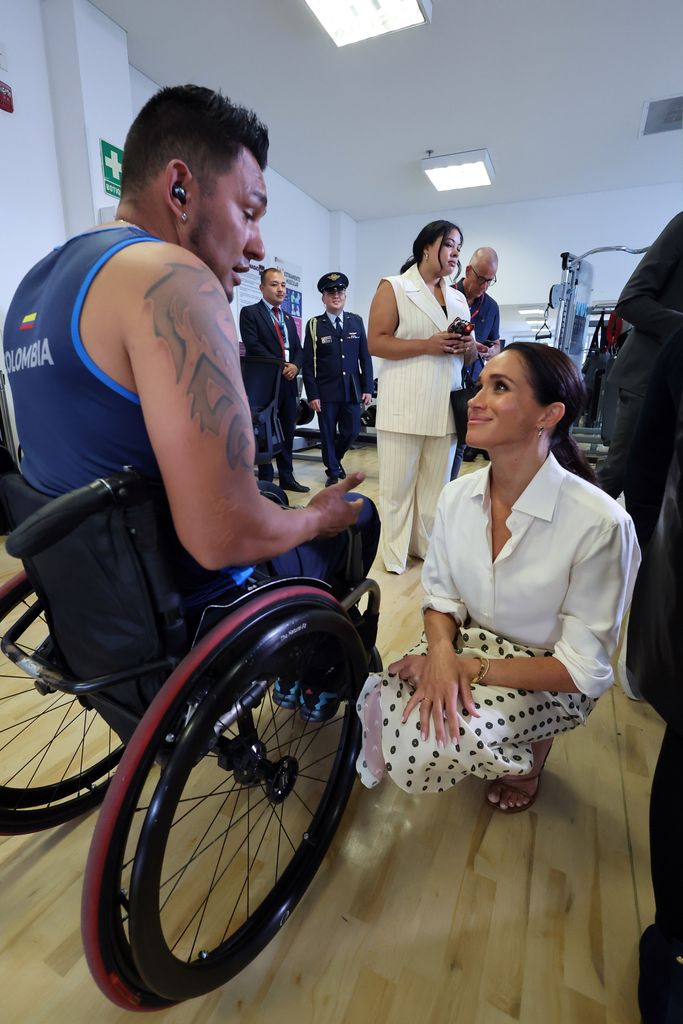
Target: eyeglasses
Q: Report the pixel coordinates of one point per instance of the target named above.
(484, 280)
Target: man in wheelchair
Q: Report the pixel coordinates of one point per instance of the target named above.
(139, 365)
(157, 600)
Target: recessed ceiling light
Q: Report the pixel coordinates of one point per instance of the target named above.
(459, 170)
(349, 21)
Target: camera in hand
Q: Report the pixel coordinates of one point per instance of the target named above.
(461, 327)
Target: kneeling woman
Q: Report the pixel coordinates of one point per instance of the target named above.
(529, 572)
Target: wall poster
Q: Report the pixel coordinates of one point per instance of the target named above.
(249, 292)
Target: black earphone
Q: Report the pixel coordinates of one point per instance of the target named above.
(178, 192)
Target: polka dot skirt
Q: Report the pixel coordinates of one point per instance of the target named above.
(497, 743)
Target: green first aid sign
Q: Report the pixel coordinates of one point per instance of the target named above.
(112, 162)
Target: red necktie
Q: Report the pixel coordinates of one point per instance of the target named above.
(278, 331)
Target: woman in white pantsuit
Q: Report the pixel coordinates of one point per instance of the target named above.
(529, 573)
(422, 364)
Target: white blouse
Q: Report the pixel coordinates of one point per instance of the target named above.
(563, 580)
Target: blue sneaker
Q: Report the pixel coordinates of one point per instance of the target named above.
(318, 707)
(286, 694)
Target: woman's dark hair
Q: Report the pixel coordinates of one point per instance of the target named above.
(429, 234)
(555, 378)
(194, 124)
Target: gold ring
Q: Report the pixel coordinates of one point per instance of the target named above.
(426, 700)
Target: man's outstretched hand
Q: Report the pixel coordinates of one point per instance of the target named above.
(336, 513)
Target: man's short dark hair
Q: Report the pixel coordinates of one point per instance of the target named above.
(268, 270)
(193, 124)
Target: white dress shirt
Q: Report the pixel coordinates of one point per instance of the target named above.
(563, 580)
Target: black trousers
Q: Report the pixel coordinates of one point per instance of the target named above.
(323, 558)
(666, 836)
(660, 989)
(343, 417)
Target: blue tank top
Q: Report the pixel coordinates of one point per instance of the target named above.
(74, 422)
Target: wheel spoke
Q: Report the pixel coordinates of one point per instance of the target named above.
(56, 755)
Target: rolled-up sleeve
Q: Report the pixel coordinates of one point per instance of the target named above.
(599, 593)
(441, 592)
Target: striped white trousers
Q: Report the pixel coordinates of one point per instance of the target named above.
(413, 470)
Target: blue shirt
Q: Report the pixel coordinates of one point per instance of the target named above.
(75, 423)
(485, 315)
(333, 316)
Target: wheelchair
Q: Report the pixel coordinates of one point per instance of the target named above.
(218, 805)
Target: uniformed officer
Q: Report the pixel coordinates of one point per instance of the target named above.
(337, 373)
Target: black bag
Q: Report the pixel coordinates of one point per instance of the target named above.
(461, 397)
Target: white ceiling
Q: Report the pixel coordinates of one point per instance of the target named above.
(555, 91)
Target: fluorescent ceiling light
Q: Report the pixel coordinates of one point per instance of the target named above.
(348, 21)
(535, 323)
(529, 312)
(459, 170)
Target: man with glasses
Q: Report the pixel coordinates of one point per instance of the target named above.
(480, 274)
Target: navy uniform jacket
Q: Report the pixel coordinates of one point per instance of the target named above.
(259, 336)
(336, 368)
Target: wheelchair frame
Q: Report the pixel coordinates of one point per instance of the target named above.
(214, 767)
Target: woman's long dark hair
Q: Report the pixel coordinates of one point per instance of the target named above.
(429, 234)
(555, 378)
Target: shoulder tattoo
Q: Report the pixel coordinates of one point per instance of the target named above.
(191, 317)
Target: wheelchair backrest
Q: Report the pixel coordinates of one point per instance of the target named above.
(106, 598)
(262, 376)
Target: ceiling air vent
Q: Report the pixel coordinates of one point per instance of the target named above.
(662, 116)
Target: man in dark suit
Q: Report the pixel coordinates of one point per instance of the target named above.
(337, 372)
(267, 330)
(652, 301)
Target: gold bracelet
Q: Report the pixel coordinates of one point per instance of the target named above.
(484, 664)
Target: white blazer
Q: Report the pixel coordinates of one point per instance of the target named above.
(413, 395)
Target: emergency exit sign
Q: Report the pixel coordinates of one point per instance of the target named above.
(112, 161)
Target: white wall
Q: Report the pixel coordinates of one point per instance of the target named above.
(142, 89)
(31, 218)
(297, 229)
(529, 238)
(105, 78)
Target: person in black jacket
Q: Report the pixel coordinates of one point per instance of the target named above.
(337, 372)
(652, 300)
(654, 497)
(267, 330)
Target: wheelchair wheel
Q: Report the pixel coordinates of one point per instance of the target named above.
(56, 755)
(224, 805)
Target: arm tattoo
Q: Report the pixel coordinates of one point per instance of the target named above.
(191, 316)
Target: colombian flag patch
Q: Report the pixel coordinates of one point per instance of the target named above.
(28, 322)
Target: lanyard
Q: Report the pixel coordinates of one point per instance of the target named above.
(474, 312)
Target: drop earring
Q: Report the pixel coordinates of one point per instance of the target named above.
(540, 431)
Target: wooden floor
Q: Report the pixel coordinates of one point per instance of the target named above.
(429, 910)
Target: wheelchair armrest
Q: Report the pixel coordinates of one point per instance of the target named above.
(59, 517)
